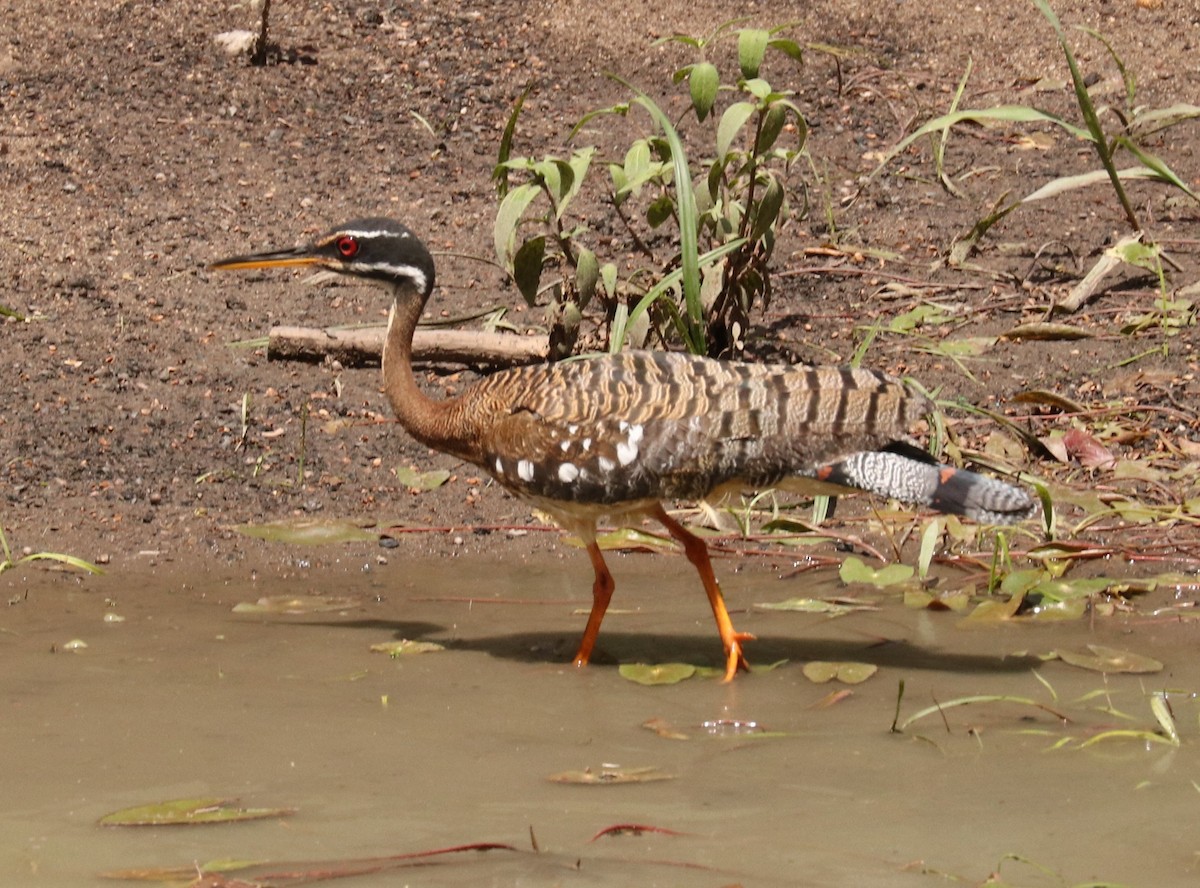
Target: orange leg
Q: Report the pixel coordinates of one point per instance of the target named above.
(602, 590)
(697, 553)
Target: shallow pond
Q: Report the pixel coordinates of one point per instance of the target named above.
(385, 756)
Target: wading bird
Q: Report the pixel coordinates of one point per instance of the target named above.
(613, 437)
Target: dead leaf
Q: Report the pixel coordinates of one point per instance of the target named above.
(404, 647)
(189, 812)
(611, 775)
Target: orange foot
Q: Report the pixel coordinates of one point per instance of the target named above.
(734, 656)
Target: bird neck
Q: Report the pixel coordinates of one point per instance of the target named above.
(435, 423)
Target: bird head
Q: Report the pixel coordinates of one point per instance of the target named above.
(375, 249)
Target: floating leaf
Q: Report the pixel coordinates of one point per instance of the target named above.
(656, 674)
(611, 776)
(664, 729)
(307, 532)
(415, 480)
(1108, 660)
(821, 671)
(1161, 708)
(298, 604)
(754, 669)
(957, 600)
(404, 646)
(853, 570)
(184, 812)
(629, 539)
(816, 606)
(183, 875)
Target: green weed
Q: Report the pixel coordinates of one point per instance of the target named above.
(8, 562)
(699, 287)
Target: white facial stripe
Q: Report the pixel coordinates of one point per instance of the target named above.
(409, 271)
(379, 232)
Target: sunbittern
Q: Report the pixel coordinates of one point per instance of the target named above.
(614, 436)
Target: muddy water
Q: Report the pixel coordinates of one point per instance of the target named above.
(386, 756)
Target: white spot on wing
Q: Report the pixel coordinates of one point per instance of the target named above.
(606, 464)
(626, 453)
(564, 446)
(525, 470)
(587, 444)
(636, 432)
(499, 466)
(568, 472)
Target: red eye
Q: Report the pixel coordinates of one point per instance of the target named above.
(347, 246)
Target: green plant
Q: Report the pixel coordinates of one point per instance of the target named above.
(1135, 124)
(9, 562)
(699, 287)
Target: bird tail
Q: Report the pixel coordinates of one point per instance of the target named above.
(923, 482)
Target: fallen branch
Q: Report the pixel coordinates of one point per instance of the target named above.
(364, 347)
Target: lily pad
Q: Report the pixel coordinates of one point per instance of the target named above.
(404, 647)
(297, 604)
(308, 532)
(610, 776)
(853, 570)
(1108, 660)
(821, 671)
(189, 812)
(416, 480)
(656, 674)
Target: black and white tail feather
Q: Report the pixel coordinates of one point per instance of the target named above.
(910, 475)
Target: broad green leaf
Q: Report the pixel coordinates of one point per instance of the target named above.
(752, 46)
(587, 274)
(656, 674)
(660, 211)
(308, 532)
(768, 209)
(853, 570)
(732, 121)
(557, 176)
(508, 217)
(772, 125)
(789, 48)
(580, 163)
(183, 812)
(637, 159)
(820, 671)
(416, 480)
(703, 83)
(608, 276)
(527, 267)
